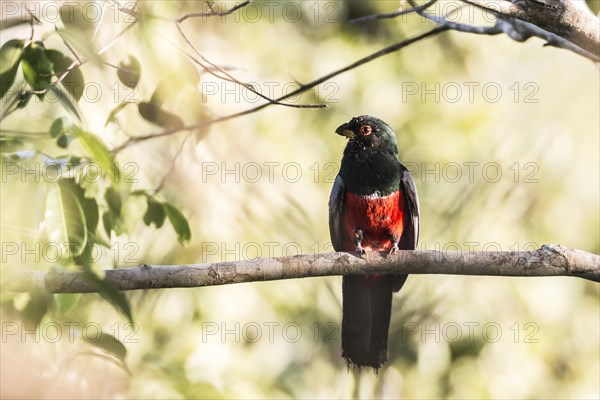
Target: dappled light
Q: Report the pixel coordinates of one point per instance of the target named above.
(200, 133)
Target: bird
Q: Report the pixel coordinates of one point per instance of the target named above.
(373, 206)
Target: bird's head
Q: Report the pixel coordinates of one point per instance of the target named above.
(366, 132)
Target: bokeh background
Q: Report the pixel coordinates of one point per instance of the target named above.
(502, 139)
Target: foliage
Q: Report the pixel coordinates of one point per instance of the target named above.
(78, 94)
(78, 167)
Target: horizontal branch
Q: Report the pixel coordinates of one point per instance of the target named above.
(549, 260)
(560, 17)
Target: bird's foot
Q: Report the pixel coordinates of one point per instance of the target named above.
(358, 238)
(394, 249)
(360, 250)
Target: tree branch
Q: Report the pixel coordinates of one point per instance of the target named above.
(226, 76)
(559, 17)
(394, 14)
(558, 22)
(549, 260)
(213, 12)
(303, 88)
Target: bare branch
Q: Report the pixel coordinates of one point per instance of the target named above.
(117, 37)
(212, 12)
(303, 88)
(74, 64)
(456, 26)
(131, 11)
(520, 31)
(161, 185)
(393, 14)
(549, 260)
(226, 76)
(559, 17)
(558, 22)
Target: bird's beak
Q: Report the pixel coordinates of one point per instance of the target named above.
(344, 130)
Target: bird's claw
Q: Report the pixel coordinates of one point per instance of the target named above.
(394, 249)
(358, 238)
(360, 250)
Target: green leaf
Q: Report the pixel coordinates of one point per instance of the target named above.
(153, 113)
(107, 221)
(88, 204)
(90, 209)
(10, 57)
(108, 291)
(110, 219)
(76, 20)
(65, 218)
(110, 344)
(67, 102)
(10, 54)
(129, 73)
(60, 126)
(112, 117)
(64, 141)
(37, 67)
(73, 82)
(179, 222)
(63, 130)
(65, 302)
(113, 199)
(99, 153)
(155, 214)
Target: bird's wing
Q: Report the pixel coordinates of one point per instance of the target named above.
(336, 201)
(410, 235)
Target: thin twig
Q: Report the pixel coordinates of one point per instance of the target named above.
(129, 11)
(213, 12)
(114, 40)
(31, 23)
(230, 78)
(380, 53)
(393, 14)
(79, 60)
(74, 64)
(161, 185)
(456, 26)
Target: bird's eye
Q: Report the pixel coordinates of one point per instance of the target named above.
(365, 130)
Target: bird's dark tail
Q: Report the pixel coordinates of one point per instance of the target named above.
(367, 306)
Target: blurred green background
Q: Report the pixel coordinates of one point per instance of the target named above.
(503, 142)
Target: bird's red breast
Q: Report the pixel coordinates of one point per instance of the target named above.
(379, 217)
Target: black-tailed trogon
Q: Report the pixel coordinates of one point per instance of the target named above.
(373, 207)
